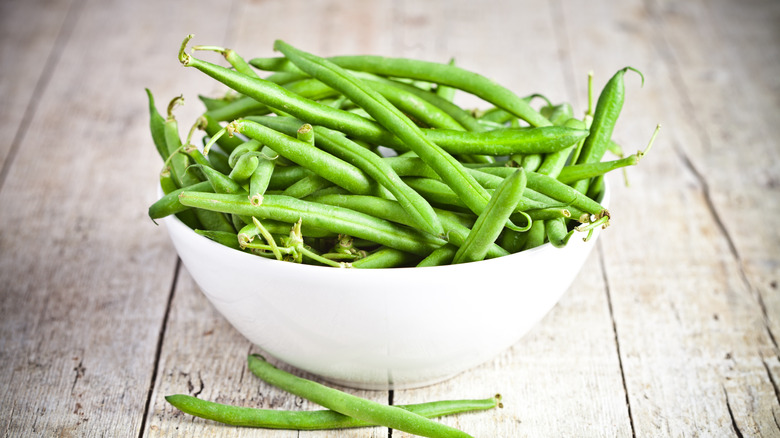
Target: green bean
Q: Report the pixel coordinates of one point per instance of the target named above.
(445, 92)
(167, 184)
(414, 106)
(463, 117)
(233, 58)
(222, 183)
(529, 162)
(227, 144)
(556, 232)
(226, 238)
(491, 221)
(450, 170)
(554, 189)
(443, 74)
(386, 258)
(219, 161)
(373, 165)
(261, 177)
(306, 186)
(178, 162)
(213, 104)
(441, 256)
(312, 420)
(536, 235)
(247, 147)
(244, 168)
(513, 241)
(506, 141)
(322, 163)
(157, 127)
(608, 108)
(285, 176)
(570, 174)
(169, 204)
(330, 218)
(391, 416)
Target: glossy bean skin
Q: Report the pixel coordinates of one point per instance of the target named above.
(226, 238)
(304, 154)
(169, 204)
(373, 165)
(608, 108)
(454, 230)
(450, 170)
(311, 420)
(556, 232)
(554, 189)
(330, 218)
(449, 75)
(441, 256)
(157, 127)
(391, 416)
(386, 258)
(491, 221)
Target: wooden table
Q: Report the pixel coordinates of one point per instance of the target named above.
(671, 329)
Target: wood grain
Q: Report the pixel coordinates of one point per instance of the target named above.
(671, 328)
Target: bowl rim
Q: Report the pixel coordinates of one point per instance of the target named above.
(172, 219)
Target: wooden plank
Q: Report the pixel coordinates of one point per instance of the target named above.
(204, 356)
(198, 341)
(30, 32)
(86, 275)
(691, 332)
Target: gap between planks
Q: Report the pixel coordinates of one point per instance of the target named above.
(664, 50)
(158, 348)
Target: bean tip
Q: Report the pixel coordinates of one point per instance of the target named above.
(184, 58)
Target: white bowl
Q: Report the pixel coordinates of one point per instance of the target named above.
(381, 328)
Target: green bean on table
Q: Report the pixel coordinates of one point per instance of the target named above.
(391, 416)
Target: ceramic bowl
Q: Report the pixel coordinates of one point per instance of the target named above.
(382, 328)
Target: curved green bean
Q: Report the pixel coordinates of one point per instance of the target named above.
(391, 416)
(312, 420)
(491, 221)
(330, 218)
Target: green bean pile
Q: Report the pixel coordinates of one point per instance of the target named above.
(367, 162)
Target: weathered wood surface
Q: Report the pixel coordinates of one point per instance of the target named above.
(670, 330)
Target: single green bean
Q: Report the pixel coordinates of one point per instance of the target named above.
(491, 221)
(244, 168)
(536, 235)
(439, 257)
(391, 416)
(330, 218)
(157, 127)
(556, 232)
(306, 186)
(608, 108)
(169, 204)
(226, 238)
(261, 177)
(386, 258)
(312, 420)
